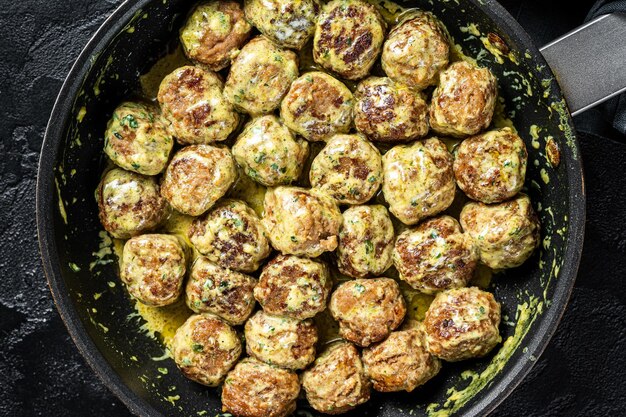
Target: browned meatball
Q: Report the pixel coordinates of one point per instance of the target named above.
(367, 309)
(336, 383)
(462, 323)
(255, 389)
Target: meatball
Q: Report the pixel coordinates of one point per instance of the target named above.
(260, 76)
(401, 362)
(137, 139)
(192, 101)
(491, 167)
(506, 233)
(268, 152)
(197, 177)
(365, 241)
(205, 348)
(317, 106)
(436, 255)
(336, 383)
(464, 101)
(348, 37)
(221, 291)
(387, 112)
(462, 323)
(231, 235)
(349, 169)
(255, 389)
(153, 269)
(416, 50)
(129, 204)
(214, 32)
(418, 180)
(301, 222)
(367, 309)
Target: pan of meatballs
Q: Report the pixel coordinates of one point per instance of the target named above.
(266, 208)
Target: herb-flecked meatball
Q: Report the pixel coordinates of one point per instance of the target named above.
(491, 167)
(221, 291)
(389, 112)
(336, 383)
(137, 139)
(294, 287)
(401, 362)
(317, 106)
(365, 241)
(260, 76)
(268, 152)
(129, 203)
(205, 348)
(301, 222)
(289, 23)
(231, 235)
(153, 268)
(281, 341)
(256, 389)
(214, 32)
(464, 101)
(416, 50)
(349, 169)
(191, 100)
(506, 233)
(436, 255)
(197, 177)
(348, 37)
(418, 180)
(367, 309)
(462, 323)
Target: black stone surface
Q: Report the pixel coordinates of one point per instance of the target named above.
(41, 373)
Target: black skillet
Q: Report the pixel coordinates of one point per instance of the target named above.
(100, 317)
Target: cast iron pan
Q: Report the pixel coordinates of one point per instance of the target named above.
(96, 309)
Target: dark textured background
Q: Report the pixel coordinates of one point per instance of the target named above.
(41, 373)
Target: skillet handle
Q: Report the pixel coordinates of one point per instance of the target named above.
(590, 62)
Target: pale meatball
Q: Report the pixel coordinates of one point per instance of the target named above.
(337, 383)
(462, 324)
(415, 51)
(214, 32)
(349, 169)
(367, 309)
(255, 389)
(418, 180)
(268, 153)
(197, 177)
(401, 362)
(436, 255)
(294, 287)
(137, 139)
(289, 23)
(260, 76)
(365, 242)
(281, 341)
(221, 291)
(153, 269)
(388, 112)
(349, 35)
(301, 222)
(191, 100)
(129, 204)
(231, 235)
(506, 233)
(464, 101)
(205, 348)
(317, 106)
(491, 167)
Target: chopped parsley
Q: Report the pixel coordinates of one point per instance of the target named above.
(359, 288)
(369, 246)
(197, 347)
